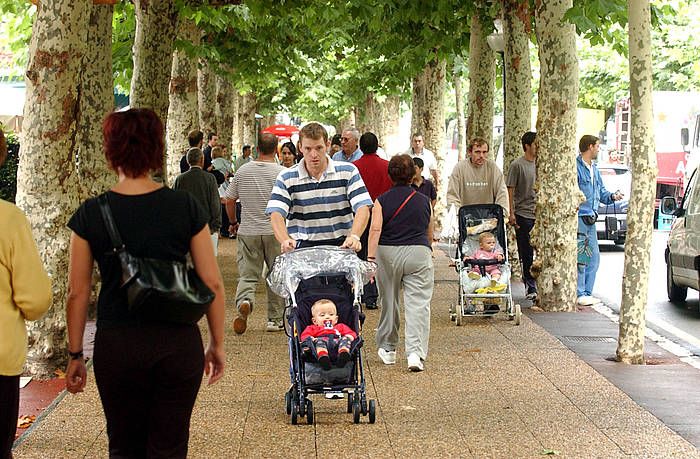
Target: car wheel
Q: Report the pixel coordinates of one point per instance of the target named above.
(676, 294)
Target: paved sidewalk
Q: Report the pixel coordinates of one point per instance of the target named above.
(490, 389)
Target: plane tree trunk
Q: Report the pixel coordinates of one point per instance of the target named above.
(182, 109)
(630, 347)
(558, 197)
(518, 97)
(482, 75)
(206, 97)
(48, 189)
(96, 101)
(156, 22)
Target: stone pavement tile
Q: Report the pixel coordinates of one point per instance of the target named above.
(433, 437)
(268, 433)
(72, 437)
(651, 440)
(216, 430)
(352, 441)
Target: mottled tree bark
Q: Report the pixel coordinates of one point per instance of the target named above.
(182, 110)
(96, 101)
(482, 75)
(518, 94)
(346, 122)
(428, 107)
(461, 121)
(224, 109)
(156, 22)
(630, 347)
(206, 96)
(392, 116)
(379, 116)
(554, 235)
(48, 189)
(249, 107)
(428, 117)
(237, 127)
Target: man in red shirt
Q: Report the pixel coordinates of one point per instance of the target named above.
(375, 173)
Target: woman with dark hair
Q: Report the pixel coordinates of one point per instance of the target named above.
(25, 294)
(288, 154)
(399, 241)
(148, 372)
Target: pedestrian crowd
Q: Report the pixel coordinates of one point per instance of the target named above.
(337, 191)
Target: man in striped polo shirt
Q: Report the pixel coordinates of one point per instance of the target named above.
(319, 201)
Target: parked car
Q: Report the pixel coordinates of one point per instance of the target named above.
(683, 247)
(612, 219)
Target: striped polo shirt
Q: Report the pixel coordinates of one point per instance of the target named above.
(318, 210)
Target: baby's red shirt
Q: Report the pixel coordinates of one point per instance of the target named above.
(338, 330)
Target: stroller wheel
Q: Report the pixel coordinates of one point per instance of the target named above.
(356, 411)
(518, 314)
(458, 317)
(350, 401)
(309, 412)
(288, 402)
(372, 411)
(363, 406)
(295, 414)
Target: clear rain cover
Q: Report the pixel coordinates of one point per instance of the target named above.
(291, 268)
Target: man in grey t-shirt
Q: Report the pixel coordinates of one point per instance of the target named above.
(521, 196)
(253, 184)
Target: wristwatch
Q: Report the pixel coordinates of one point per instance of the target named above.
(76, 355)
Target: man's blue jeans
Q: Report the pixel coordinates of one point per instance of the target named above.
(586, 274)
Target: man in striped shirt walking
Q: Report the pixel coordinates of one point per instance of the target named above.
(319, 201)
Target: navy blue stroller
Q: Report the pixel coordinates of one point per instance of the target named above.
(304, 277)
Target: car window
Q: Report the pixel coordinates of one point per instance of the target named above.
(617, 178)
(692, 202)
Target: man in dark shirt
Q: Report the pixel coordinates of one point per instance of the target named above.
(195, 139)
(421, 184)
(202, 186)
(375, 173)
(212, 141)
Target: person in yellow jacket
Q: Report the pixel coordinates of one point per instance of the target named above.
(25, 294)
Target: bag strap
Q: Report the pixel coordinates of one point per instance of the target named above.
(401, 206)
(109, 223)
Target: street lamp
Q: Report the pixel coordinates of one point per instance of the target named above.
(497, 43)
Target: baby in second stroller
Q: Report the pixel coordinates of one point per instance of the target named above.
(488, 250)
(325, 338)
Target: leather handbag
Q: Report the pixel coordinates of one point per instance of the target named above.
(158, 290)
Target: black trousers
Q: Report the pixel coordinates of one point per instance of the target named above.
(370, 294)
(9, 410)
(522, 234)
(224, 222)
(148, 378)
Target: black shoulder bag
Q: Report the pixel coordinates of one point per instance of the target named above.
(158, 290)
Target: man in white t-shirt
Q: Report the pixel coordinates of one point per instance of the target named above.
(253, 184)
(418, 150)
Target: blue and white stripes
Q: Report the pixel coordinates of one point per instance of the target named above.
(319, 209)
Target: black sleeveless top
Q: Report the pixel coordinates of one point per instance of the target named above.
(410, 225)
(159, 224)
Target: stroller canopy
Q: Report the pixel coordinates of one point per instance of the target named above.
(291, 268)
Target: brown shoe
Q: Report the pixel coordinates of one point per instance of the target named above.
(241, 322)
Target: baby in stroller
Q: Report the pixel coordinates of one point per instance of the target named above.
(325, 338)
(488, 250)
(481, 244)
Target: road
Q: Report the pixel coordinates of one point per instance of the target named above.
(679, 323)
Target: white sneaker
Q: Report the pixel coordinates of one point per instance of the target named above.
(274, 326)
(587, 300)
(414, 362)
(388, 357)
